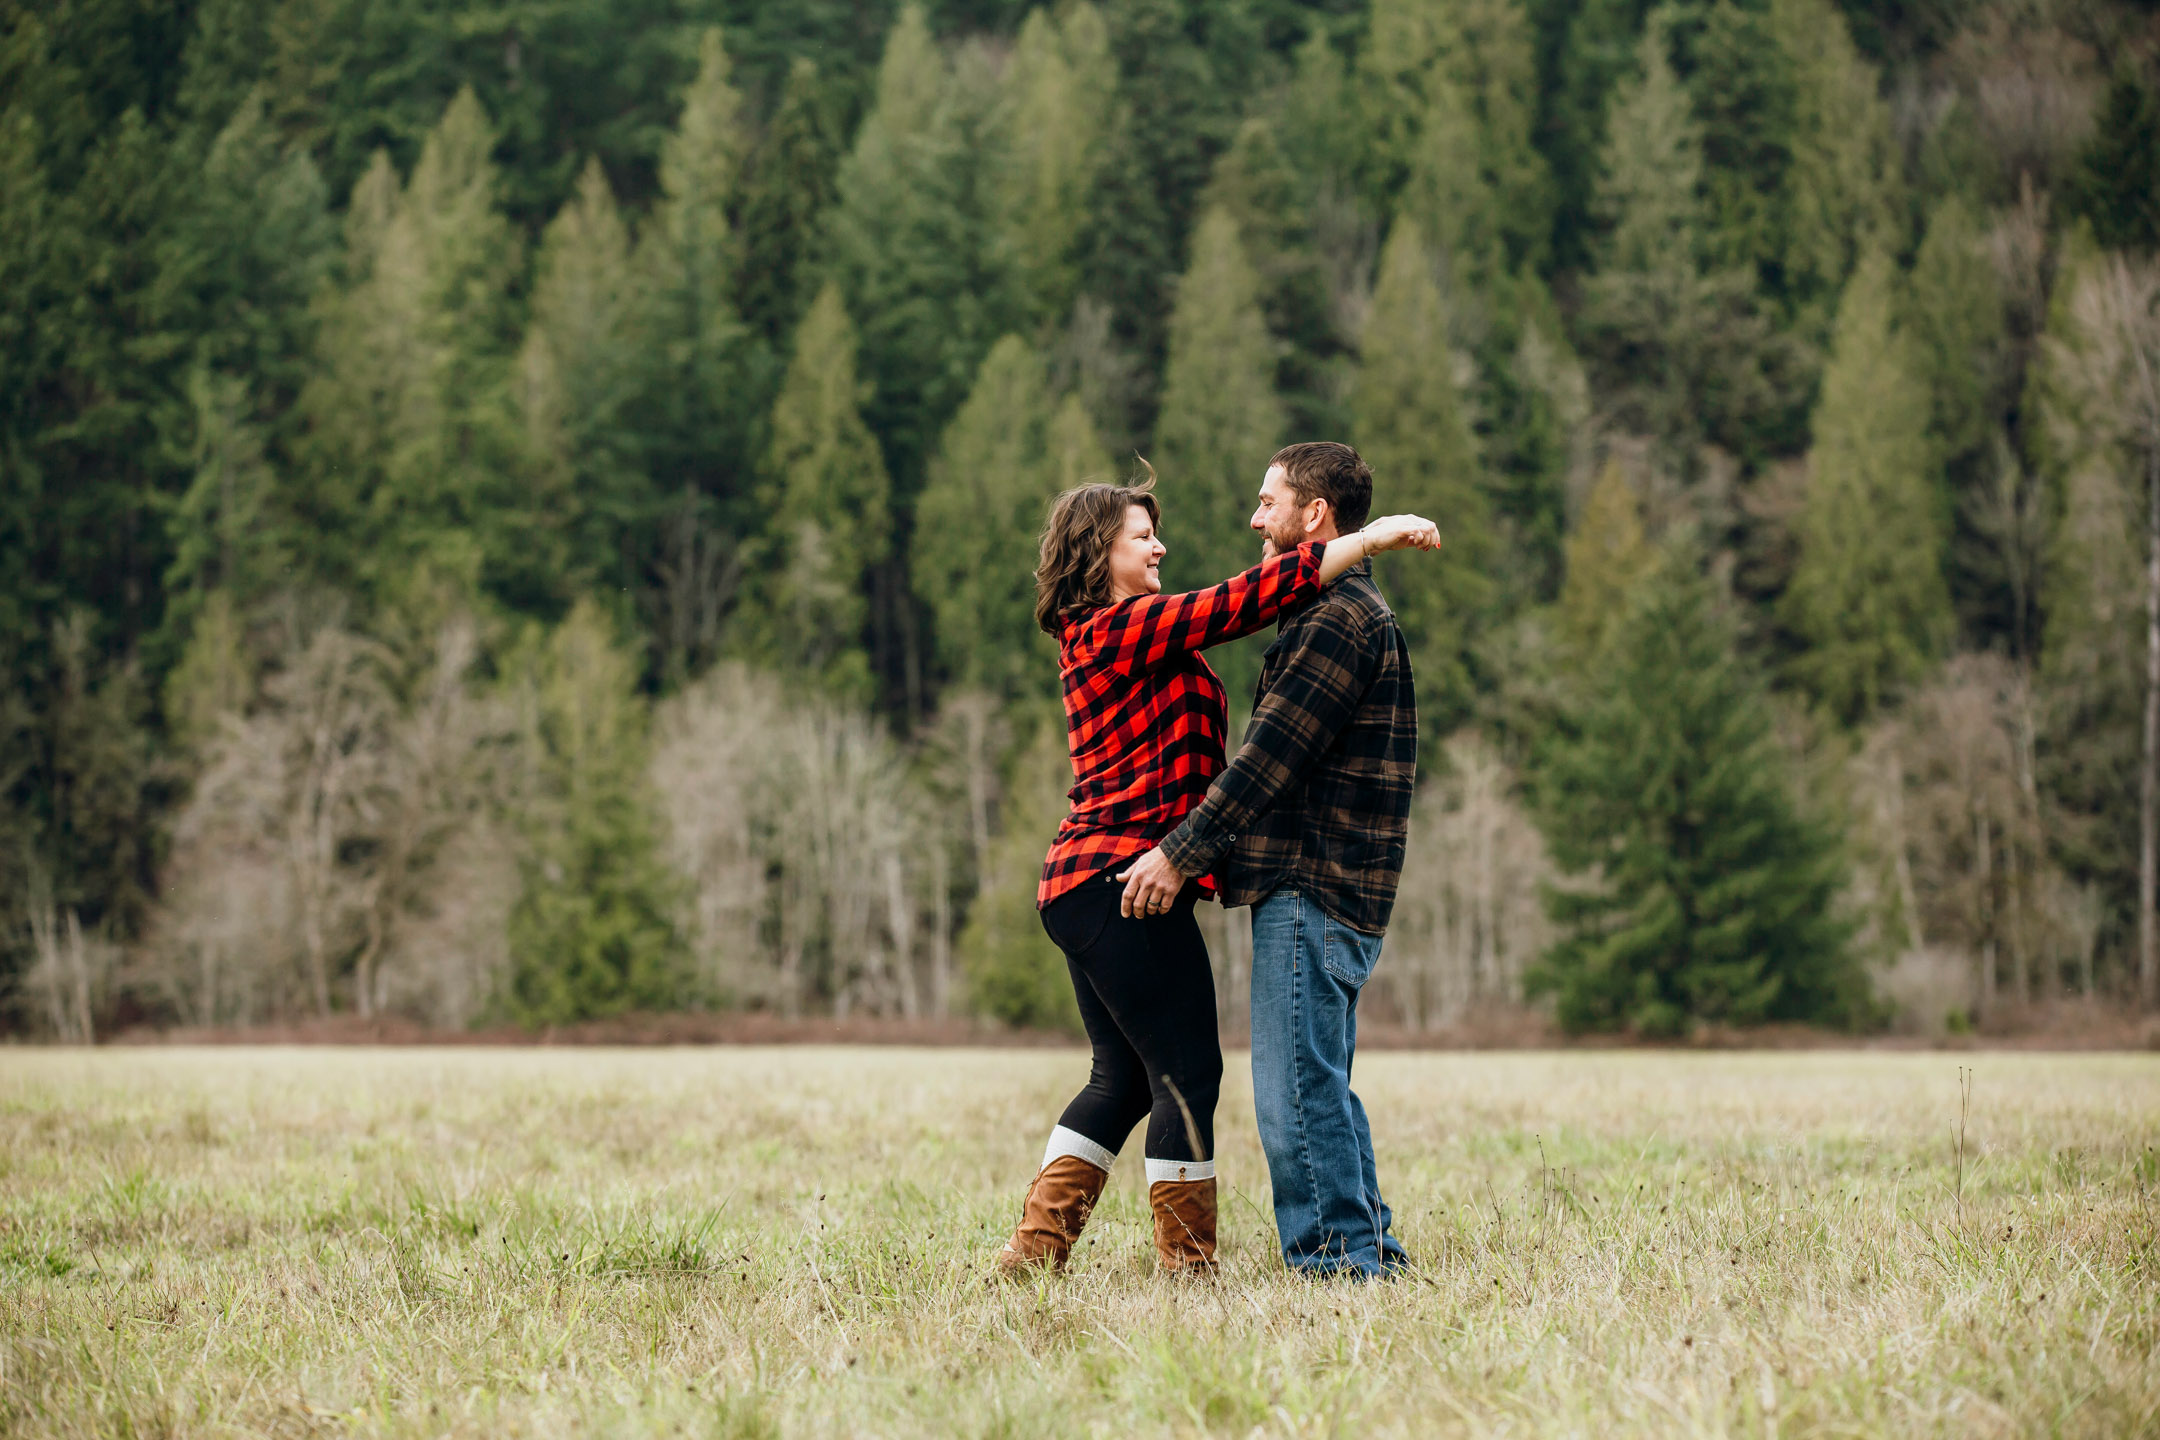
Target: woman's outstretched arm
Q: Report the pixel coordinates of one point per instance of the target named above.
(1144, 631)
(1389, 532)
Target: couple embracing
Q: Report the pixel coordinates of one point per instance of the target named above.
(1305, 824)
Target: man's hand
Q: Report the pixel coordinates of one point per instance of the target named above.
(1151, 886)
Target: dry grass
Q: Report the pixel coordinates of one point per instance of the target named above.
(792, 1242)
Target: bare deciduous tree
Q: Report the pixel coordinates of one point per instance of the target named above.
(1468, 919)
(815, 860)
(69, 971)
(2106, 367)
(310, 857)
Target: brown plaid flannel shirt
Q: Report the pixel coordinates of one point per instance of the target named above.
(1317, 799)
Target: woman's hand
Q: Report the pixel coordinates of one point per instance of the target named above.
(1400, 532)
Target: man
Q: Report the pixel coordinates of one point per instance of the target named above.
(1306, 825)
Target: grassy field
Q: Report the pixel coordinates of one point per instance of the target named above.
(787, 1242)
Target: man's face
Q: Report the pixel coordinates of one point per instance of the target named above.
(1282, 522)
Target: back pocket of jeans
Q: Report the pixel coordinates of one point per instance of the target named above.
(1347, 955)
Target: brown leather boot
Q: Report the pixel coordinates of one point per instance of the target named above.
(1184, 1226)
(1058, 1206)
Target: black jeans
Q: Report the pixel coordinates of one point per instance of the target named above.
(1147, 998)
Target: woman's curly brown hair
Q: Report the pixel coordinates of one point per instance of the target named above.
(1072, 577)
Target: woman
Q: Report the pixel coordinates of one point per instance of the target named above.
(1145, 719)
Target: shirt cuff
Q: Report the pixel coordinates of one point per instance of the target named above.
(1190, 851)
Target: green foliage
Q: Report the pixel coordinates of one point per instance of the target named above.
(1011, 449)
(1607, 557)
(914, 248)
(1844, 163)
(1700, 890)
(1743, 89)
(577, 378)
(1955, 318)
(2099, 410)
(414, 457)
(1221, 420)
(1183, 66)
(1054, 131)
(1868, 592)
(593, 931)
(1277, 209)
(230, 533)
(215, 677)
(829, 501)
(1411, 428)
(2117, 182)
(1220, 416)
(1680, 349)
(1014, 973)
(790, 184)
(1450, 87)
(701, 383)
(376, 307)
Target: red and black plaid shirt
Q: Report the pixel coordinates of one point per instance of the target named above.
(1144, 714)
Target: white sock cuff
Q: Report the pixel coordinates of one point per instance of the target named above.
(1161, 1170)
(1072, 1142)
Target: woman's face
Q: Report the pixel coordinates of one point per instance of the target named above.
(1136, 557)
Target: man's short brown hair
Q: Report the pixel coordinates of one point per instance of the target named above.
(1331, 471)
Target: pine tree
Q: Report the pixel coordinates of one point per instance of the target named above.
(913, 244)
(230, 534)
(1680, 349)
(214, 678)
(415, 459)
(1538, 404)
(1276, 208)
(1954, 314)
(249, 248)
(1220, 418)
(702, 387)
(1607, 557)
(1004, 457)
(577, 378)
(1643, 303)
(1743, 92)
(1451, 86)
(1324, 131)
(1867, 591)
(829, 501)
(2117, 181)
(1700, 891)
(1054, 128)
(1593, 50)
(1412, 429)
(790, 186)
(593, 932)
(1844, 161)
(1174, 113)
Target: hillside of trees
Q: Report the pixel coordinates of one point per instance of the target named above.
(519, 512)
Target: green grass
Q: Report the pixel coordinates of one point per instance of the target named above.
(792, 1242)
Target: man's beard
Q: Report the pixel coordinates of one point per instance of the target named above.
(1272, 544)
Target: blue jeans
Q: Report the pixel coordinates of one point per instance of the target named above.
(1307, 969)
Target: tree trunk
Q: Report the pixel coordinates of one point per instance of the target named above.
(941, 939)
(2149, 786)
(1908, 895)
(1985, 859)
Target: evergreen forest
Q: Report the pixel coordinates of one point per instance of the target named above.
(520, 512)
